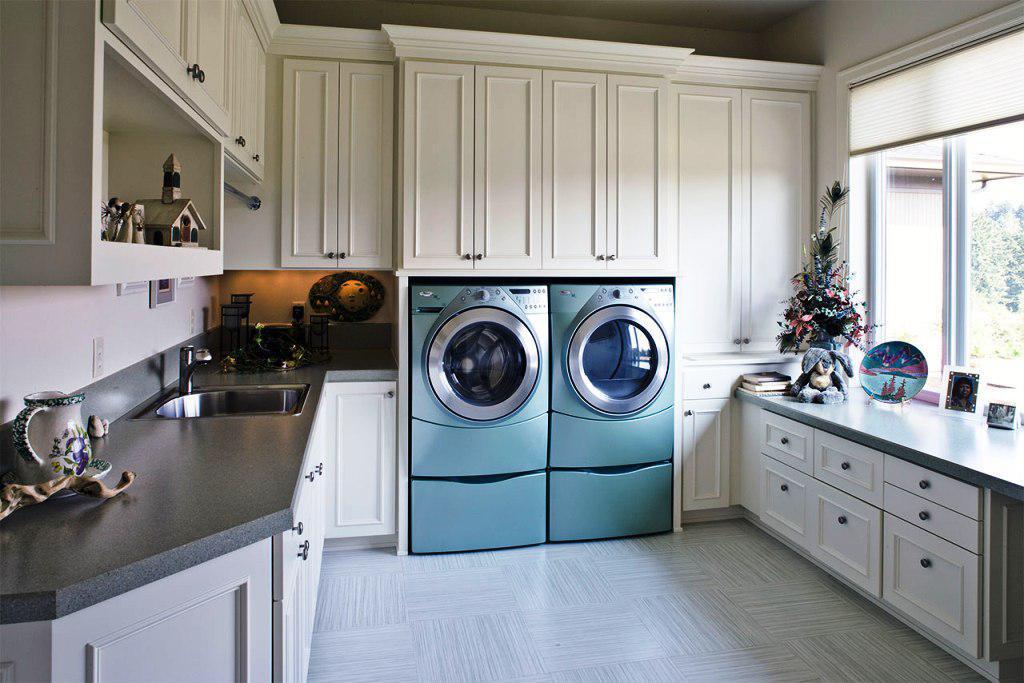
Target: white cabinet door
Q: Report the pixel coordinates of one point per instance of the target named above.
(706, 461)
(785, 495)
(362, 459)
(248, 94)
(710, 249)
(309, 164)
(639, 234)
(575, 169)
(507, 226)
(258, 109)
(777, 206)
(364, 175)
(437, 165)
(211, 50)
(158, 31)
(846, 535)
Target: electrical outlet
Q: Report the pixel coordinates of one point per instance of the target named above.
(97, 357)
(191, 321)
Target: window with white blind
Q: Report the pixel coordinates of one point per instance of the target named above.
(944, 149)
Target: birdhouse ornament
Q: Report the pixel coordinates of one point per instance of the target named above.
(172, 220)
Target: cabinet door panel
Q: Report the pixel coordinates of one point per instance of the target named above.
(438, 165)
(364, 175)
(211, 51)
(777, 162)
(846, 534)
(785, 493)
(575, 137)
(157, 29)
(309, 156)
(710, 250)
(508, 167)
(638, 232)
(361, 471)
(706, 460)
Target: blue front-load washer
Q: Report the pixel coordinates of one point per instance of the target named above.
(479, 430)
(611, 435)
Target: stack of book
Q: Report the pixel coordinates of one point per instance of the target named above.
(765, 383)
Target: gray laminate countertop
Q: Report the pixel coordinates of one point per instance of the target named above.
(205, 487)
(920, 433)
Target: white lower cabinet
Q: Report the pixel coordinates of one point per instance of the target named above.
(361, 451)
(784, 496)
(934, 582)
(706, 460)
(846, 535)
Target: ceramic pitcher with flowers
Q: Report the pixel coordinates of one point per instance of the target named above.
(50, 437)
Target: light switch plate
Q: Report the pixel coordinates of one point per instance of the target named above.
(97, 357)
(191, 321)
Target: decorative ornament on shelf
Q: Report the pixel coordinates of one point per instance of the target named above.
(893, 372)
(172, 220)
(51, 440)
(822, 377)
(272, 348)
(347, 296)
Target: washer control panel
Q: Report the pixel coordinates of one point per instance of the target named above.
(532, 299)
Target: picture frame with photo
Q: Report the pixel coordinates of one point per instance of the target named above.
(162, 291)
(961, 392)
(1002, 415)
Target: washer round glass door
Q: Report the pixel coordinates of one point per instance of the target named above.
(483, 363)
(618, 359)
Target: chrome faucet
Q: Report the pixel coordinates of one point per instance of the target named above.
(189, 358)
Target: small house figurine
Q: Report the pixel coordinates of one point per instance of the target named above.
(172, 220)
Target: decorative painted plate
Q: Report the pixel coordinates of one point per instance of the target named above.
(347, 296)
(893, 372)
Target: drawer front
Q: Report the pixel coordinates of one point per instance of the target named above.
(934, 582)
(849, 467)
(846, 535)
(946, 491)
(708, 383)
(941, 521)
(787, 441)
(784, 495)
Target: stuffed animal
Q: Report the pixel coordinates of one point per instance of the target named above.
(820, 380)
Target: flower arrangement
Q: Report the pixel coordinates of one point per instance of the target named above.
(822, 311)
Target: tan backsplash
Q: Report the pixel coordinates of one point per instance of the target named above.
(275, 290)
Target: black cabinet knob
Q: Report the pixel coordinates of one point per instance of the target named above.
(784, 487)
(255, 157)
(304, 550)
(924, 483)
(467, 257)
(842, 519)
(612, 257)
(298, 528)
(320, 468)
(310, 476)
(478, 257)
(196, 73)
(707, 386)
(330, 254)
(688, 413)
(240, 141)
(925, 562)
(784, 441)
(845, 466)
(746, 340)
(923, 514)
(342, 255)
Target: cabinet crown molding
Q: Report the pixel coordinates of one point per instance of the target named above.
(264, 19)
(326, 42)
(506, 48)
(755, 73)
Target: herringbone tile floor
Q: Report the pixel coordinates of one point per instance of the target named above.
(718, 602)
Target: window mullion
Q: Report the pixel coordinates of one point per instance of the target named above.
(962, 234)
(876, 249)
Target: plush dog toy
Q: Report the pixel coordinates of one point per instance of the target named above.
(821, 380)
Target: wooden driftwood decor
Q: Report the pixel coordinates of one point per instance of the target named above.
(14, 496)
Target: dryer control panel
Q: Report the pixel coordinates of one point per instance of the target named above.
(532, 299)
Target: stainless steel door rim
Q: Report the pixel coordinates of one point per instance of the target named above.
(441, 384)
(583, 385)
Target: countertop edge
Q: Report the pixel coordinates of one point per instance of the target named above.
(932, 462)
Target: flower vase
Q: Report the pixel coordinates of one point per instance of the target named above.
(50, 437)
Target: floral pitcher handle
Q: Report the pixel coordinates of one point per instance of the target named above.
(19, 432)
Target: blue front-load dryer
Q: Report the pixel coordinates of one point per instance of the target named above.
(611, 433)
(479, 429)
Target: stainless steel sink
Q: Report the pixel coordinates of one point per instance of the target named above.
(276, 399)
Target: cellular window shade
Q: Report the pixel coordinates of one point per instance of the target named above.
(972, 88)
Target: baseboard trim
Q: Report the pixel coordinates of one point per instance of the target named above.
(714, 514)
(1006, 670)
(362, 543)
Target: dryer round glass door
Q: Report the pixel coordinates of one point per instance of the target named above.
(483, 363)
(618, 359)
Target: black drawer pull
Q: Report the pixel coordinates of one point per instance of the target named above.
(320, 468)
(845, 466)
(924, 483)
(310, 476)
(305, 550)
(707, 386)
(298, 528)
(784, 487)
(925, 562)
(842, 519)
(784, 441)
(923, 514)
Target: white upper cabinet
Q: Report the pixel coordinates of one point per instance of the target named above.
(246, 142)
(437, 165)
(575, 111)
(309, 164)
(186, 42)
(507, 197)
(777, 175)
(710, 258)
(639, 234)
(336, 156)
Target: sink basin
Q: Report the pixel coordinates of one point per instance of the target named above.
(277, 399)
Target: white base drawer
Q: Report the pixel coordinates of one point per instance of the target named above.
(934, 582)
(946, 491)
(846, 535)
(849, 467)
(784, 496)
(943, 522)
(787, 441)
